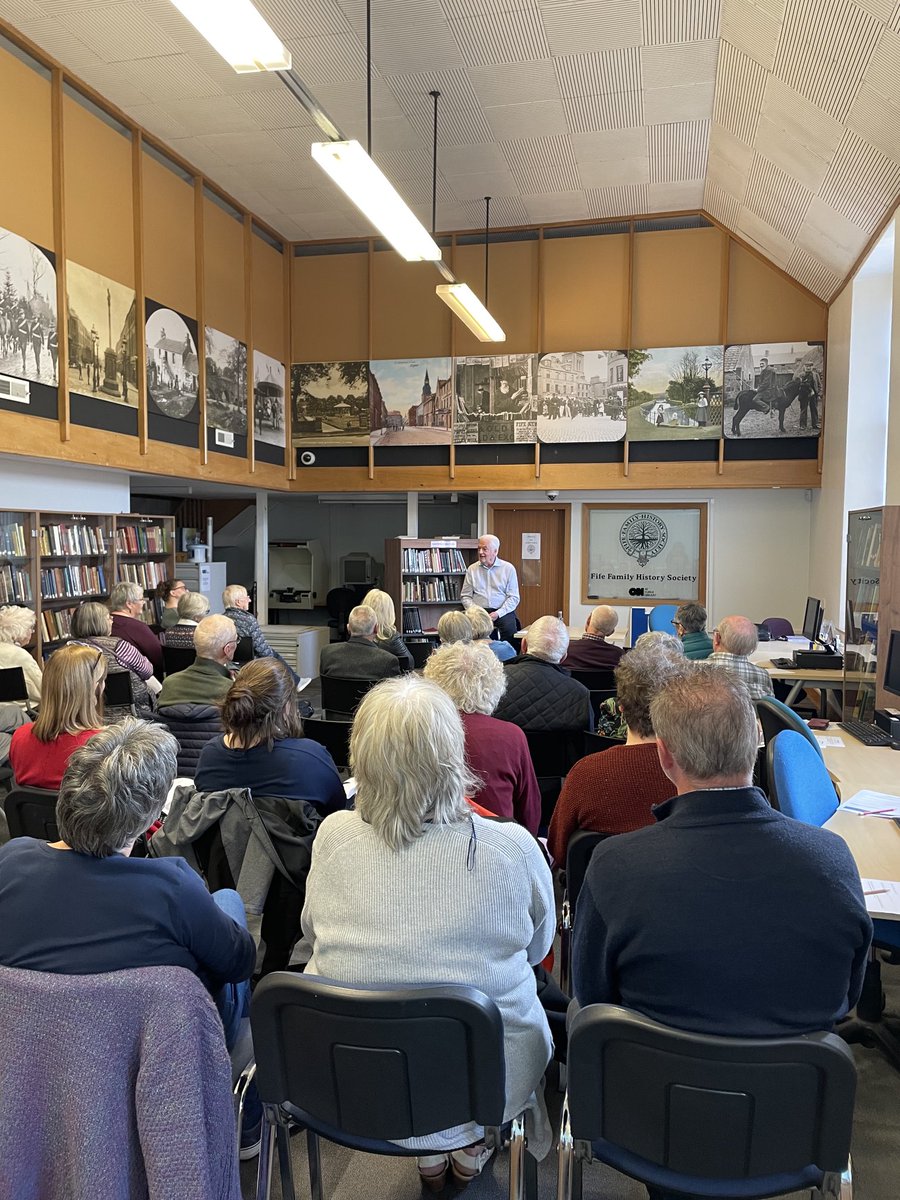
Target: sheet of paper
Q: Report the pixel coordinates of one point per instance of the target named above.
(826, 742)
(882, 898)
(873, 804)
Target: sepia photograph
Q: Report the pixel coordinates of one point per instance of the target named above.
(411, 402)
(226, 382)
(268, 399)
(102, 337)
(581, 396)
(28, 332)
(496, 399)
(774, 390)
(675, 394)
(331, 403)
(172, 363)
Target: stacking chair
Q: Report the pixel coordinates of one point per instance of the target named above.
(333, 735)
(601, 685)
(12, 686)
(595, 742)
(343, 695)
(367, 1066)
(117, 691)
(421, 651)
(579, 852)
(553, 752)
(707, 1116)
(178, 658)
(243, 651)
(661, 618)
(31, 812)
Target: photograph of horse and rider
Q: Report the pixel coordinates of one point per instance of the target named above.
(774, 390)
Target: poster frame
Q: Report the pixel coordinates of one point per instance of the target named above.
(638, 601)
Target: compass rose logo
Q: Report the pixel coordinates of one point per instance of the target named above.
(643, 536)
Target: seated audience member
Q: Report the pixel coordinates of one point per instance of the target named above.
(413, 887)
(456, 627)
(92, 626)
(726, 916)
(126, 603)
(610, 722)
(733, 640)
(192, 608)
(483, 630)
(16, 630)
(593, 652)
(263, 747)
(690, 625)
(386, 635)
(169, 593)
(540, 694)
(236, 599)
(207, 679)
(359, 657)
(497, 751)
(615, 790)
(70, 714)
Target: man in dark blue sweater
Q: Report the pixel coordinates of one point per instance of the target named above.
(726, 917)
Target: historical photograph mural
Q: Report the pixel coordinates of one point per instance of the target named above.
(411, 402)
(268, 399)
(172, 363)
(582, 396)
(102, 337)
(675, 394)
(330, 403)
(28, 330)
(774, 390)
(226, 386)
(496, 398)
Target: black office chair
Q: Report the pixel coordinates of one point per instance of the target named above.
(243, 652)
(367, 1066)
(177, 659)
(13, 689)
(31, 812)
(708, 1116)
(553, 752)
(343, 695)
(333, 735)
(421, 651)
(339, 602)
(594, 743)
(601, 685)
(579, 852)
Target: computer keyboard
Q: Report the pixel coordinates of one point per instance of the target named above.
(783, 664)
(869, 735)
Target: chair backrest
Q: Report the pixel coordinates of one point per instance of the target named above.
(31, 812)
(799, 783)
(601, 685)
(343, 695)
(243, 652)
(178, 658)
(661, 618)
(667, 1106)
(554, 751)
(579, 852)
(595, 742)
(12, 685)
(778, 627)
(374, 1062)
(421, 651)
(333, 735)
(117, 690)
(775, 716)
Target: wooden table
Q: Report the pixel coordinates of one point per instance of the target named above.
(826, 681)
(874, 842)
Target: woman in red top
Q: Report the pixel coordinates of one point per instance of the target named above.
(70, 714)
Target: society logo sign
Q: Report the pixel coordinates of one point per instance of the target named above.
(643, 536)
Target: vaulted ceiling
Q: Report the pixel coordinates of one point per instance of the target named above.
(780, 118)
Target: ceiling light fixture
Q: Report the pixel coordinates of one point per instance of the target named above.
(460, 298)
(238, 32)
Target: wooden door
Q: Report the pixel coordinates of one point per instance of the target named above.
(543, 581)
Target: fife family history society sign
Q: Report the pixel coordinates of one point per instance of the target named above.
(644, 556)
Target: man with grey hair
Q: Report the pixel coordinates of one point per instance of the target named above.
(592, 652)
(207, 679)
(359, 657)
(493, 584)
(540, 694)
(726, 916)
(734, 638)
(126, 604)
(690, 625)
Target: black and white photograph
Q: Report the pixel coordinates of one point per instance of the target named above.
(774, 390)
(496, 399)
(173, 366)
(331, 403)
(268, 399)
(579, 398)
(675, 394)
(28, 330)
(226, 383)
(102, 337)
(411, 402)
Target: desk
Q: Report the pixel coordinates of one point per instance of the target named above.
(873, 841)
(825, 681)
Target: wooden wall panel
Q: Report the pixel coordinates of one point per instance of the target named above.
(585, 290)
(405, 309)
(330, 321)
(169, 245)
(26, 197)
(269, 333)
(676, 287)
(99, 210)
(512, 298)
(223, 261)
(763, 304)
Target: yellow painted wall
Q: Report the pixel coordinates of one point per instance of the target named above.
(26, 196)
(170, 271)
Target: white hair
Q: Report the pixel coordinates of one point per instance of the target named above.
(478, 618)
(548, 638)
(604, 620)
(233, 592)
(16, 624)
(213, 634)
(492, 540)
(470, 673)
(738, 635)
(362, 621)
(455, 627)
(125, 593)
(192, 606)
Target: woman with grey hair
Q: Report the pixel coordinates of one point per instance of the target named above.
(610, 722)
(192, 608)
(16, 630)
(414, 887)
(126, 604)
(92, 626)
(497, 751)
(483, 630)
(455, 627)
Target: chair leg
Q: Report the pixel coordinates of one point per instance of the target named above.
(285, 1166)
(517, 1160)
(266, 1158)
(830, 1188)
(315, 1165)
(564, 1157)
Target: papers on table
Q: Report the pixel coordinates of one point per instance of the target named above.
(828, 742)
(873, 804)
(882, 898)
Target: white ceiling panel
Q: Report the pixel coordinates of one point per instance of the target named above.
(527, 120)
(608, 23)
(740, 87)
(118, 32)
(515, 83)
(828, 234)
(615, 110)
(460, 118)
(497, 32)
(156, 120)
(877, 120)
(599, 73)
(678, 151)
(172, 77)
(601, 145)
(692, 102)
(862, 183)
(792, 156)
(672, 66)
(626, 201)
(761, 235)
(776, 197)
(548, 162)
(883, 70)
(751, 29)
(556, 206)
(673, 197)
(666, 21)
(614, 172)
(327, 61)
(824, 50)
(721, 205)
(813, 273)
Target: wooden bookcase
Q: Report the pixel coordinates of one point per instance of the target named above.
(424, 577)
(873, 607)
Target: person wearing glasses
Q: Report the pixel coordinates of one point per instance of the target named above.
(208, 678)
(734, 640)
(690, 625)
(170, 592)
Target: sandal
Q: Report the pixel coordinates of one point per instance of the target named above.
(433, 1171)
(465, 1165)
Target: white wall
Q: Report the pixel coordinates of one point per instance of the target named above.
(51, 486)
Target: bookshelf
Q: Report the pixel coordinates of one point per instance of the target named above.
(145, 554)
(873, 607)
(424, 577)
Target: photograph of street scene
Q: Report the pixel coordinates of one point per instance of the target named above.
(28, 331)
(675, 394)
(330, 404)
(496, 399)
(411, 402)
(226, 382)
(774, 390)
(172, 364)
(102, 337)
(581, 396)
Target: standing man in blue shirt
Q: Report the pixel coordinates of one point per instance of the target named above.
(492, 584)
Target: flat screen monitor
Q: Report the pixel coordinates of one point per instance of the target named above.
(892, 666)
(812, 619)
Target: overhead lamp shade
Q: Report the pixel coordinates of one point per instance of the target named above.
(462, 300)
(238, 32)
(374, 195)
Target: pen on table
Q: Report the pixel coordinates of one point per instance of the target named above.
(878, 812)
(876, 891)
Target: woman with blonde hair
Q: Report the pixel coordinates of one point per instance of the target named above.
(454, 627)
(483, 630)
(386, 635)
(16, 628)
(71, 713)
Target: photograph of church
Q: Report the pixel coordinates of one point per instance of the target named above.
(411, 402)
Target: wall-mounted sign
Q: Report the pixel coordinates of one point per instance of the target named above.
(531, 545)
(646, 555)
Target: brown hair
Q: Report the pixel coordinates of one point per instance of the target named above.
(71, 692)
(261, 704)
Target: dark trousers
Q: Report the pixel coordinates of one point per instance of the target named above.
(506, 627)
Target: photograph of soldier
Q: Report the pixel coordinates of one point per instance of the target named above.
(411, 402)
(226, 382)
(675, 394)
(268, 399)
(330, 404)
(774, 390)
(102, 337)
(172, 363)
(496, 398)
(28, 334)
(576, 401)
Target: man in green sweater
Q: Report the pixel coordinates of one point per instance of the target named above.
(207, 679)
(690, 625)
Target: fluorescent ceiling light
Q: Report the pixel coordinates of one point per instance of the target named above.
(462, 300)
(374, 195)
(238, 32)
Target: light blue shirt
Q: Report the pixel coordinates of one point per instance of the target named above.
(495, 588)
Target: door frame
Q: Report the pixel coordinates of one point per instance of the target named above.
(553, 506)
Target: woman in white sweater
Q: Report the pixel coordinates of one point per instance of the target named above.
(414, 887)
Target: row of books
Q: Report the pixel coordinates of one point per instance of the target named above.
(433, 560)
(142, 539)
(12, 539)
(147, 574)
(72, 581)
(77, 538)
(432, 591)
(869, 546)
(15, 585)
(56, 623)
(412, 621)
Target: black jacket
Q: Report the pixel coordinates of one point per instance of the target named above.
(192, 726)
(542, 695)
(357, 658)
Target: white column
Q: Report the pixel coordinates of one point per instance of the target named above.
(261, 571)
(412, 514)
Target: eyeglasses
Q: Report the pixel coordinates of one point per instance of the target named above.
(678, 625)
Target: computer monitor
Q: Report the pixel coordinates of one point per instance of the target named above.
(812, 619)
(892, 666)
(357, 569)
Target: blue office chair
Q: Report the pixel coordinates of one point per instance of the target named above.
(661, 618)
(799, 783)
(775, 717)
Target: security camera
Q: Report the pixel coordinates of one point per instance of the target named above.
(553, 495)
(307, 459)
